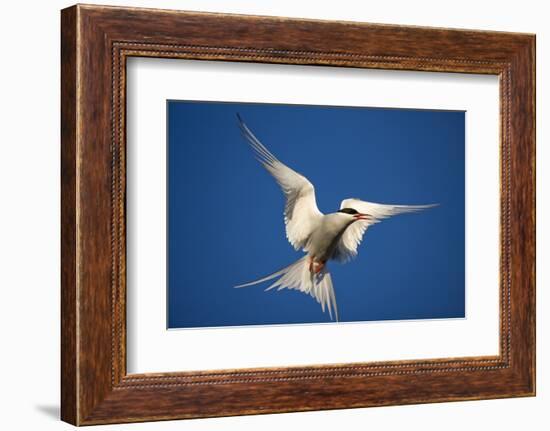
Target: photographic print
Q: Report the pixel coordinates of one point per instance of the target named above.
(321, 208)
(293, 214)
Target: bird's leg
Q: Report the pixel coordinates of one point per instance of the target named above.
(319, 268)
(315, 267)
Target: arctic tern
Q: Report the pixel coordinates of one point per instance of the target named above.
(322, 237)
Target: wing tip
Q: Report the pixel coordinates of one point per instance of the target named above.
(403, 208)
(424, 207)
(262, 153)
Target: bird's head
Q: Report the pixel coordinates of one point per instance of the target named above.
(353, 214)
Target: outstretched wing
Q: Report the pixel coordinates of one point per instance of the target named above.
(347, 245)
(301, 212)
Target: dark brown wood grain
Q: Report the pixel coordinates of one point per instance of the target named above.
(68, 217)
(95, 42)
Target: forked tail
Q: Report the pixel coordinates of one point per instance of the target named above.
(297, 276)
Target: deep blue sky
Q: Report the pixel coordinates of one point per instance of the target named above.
(226, 213)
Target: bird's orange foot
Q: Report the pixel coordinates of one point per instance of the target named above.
(320, 267)
(315, 267)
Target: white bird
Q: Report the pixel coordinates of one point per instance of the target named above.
(322, 237)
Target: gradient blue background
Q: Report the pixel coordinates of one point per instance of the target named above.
(226, 213)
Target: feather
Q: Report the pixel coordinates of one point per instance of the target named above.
(298, 277)
(301, 214)
(346, 248)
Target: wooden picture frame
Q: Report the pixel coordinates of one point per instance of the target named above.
(95, 43)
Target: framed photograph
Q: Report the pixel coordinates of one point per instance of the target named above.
(264, 215)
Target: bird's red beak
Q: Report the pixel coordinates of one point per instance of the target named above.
(361, 216)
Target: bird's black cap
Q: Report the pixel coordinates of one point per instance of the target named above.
(348, 211)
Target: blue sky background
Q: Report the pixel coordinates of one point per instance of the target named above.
(226, 212)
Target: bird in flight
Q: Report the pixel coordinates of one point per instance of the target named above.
(323, 237)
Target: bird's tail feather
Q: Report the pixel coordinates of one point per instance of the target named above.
(286, 269)
(297, 276)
